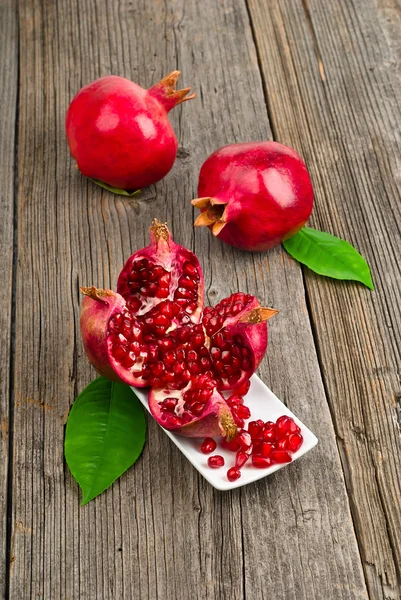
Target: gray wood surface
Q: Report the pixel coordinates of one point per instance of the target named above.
(8, 87)
(161, 532)
(332, 78)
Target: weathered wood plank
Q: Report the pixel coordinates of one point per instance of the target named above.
(332, 75)
(8, 86)
(161, 531)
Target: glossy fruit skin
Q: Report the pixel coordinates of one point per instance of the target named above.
(263, 188)
(119, 132)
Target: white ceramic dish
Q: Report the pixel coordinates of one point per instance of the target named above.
(263, 405)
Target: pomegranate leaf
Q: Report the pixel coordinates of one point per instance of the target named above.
(104, 436)
(328, 255)
(114, 190)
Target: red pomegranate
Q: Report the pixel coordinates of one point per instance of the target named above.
(119, 133)
(254, 195)
(151, 334)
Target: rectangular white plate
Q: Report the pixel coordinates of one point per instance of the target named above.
(263, 404)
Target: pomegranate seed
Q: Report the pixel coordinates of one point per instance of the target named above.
(283, 444)
(269, 435)
(233, 446)
(282, 426)
(233, 474)
(170, 359)
(189, 269)
(170, 403)
(215, 462)
(235, 399)
(241, 458)
(255, 430)
(294, 442)
(162, 319)
(226, 357)
(257, 447)
(244, 439)
(162, 292)
(280, 457)
(293, 427)
(261, 462)
(266, 449)
(244, 412)
(208, 445)
(197, 409)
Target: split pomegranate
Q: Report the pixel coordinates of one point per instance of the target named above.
(254, 195)
(148, 334)
(119, 133)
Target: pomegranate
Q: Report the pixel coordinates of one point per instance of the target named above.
(254, 195)
(148, 334)
(119, 133)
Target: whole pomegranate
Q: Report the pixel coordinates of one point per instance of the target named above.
(119, 133)
(152, 332)
(254, 195)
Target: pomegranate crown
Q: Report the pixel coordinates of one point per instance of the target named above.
(166, 93)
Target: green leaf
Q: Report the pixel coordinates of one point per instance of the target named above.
(114, 190)
(328, 255)
(104, 436)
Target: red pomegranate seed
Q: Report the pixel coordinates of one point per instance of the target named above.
(243, 389)
(294, 442)
(208, 445)
(266, 449)
(280, 457)
(257, 447)
(233, 474)
(261, 462)
(282, 426)
(282, 444)
(244, 439)
(269, 435)
(241, 458)
(233, 446)
(255, 430)
(244, 412)
(215, 462)
(293, 428)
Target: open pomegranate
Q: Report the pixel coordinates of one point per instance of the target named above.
(153, 334)
(119, 133)
(254, 195)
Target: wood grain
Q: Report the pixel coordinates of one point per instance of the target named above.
(160, 531)
(332, 79)
(9, 86)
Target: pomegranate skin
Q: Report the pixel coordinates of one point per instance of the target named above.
(254, 195)
(119, 133)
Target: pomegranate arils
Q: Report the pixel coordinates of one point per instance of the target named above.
(215, 462)
(295, 441)
(233, 474)
(260, 462)
(266, 449)
(282, 426)
(208, 446)
(241, 458)
(280, 456)
(255, 430)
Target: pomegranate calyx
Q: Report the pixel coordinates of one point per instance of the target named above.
(97, 293)
(166, 93)
(213, 213)
(258, 315)
(227, 425)
(160, 231)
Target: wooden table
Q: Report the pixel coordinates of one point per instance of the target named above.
(322, 76)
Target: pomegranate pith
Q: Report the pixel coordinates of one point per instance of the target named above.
(254, 195)
(119, 133)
